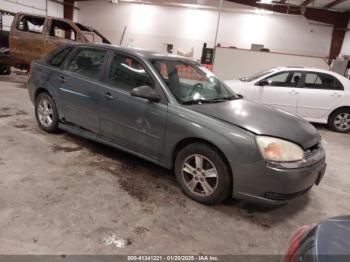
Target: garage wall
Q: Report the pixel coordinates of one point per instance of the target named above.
(279, 33)
(28, 6)
(152, 26)
(233, 63)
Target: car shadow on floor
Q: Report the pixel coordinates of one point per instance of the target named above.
(264, 216)
(152, 184)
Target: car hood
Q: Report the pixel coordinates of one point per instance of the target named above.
(333, 238)
(235, 82)
(262, 120)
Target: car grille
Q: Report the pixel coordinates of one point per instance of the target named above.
(284, 197)
(310, 152)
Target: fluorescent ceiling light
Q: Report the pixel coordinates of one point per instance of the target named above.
(263, 11)
(265, 1)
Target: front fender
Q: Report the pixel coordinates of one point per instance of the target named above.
(236, 144)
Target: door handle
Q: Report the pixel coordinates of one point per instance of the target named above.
(293, 92)
(62, 79)
(108, 96)
(336, 95)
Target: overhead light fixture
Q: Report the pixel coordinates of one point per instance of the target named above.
(265, 1)
(114, 1)
(263, 11)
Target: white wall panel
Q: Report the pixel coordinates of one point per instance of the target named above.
(279, 33)
(151, 26)
(234, 63)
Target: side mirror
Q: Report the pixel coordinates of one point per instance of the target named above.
(145, 92)
(263, 83)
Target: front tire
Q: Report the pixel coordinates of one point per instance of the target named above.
(46, 113)
(202, 174)
(339, 120)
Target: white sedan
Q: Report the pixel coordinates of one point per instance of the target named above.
(318, 95)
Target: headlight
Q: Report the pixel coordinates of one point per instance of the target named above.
(278, 150)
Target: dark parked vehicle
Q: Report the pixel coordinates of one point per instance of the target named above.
(328, 241)
(176, 113)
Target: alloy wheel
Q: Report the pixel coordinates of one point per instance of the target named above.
(45, 112)
(200, 175)
(342, 121)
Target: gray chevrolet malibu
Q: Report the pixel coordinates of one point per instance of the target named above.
(176, 113)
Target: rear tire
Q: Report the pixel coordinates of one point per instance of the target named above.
(339, 120)
(46, 113)
(5, 70)
(203, 174)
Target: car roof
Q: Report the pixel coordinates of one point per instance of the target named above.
(333, 237)
(302, 68)
(146, 54)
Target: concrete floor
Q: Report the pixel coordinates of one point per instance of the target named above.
(60, 194)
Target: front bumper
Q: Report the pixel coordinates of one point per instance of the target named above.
(275, 184)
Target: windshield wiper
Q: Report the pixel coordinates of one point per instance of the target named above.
(212, 100)
(197, 101)
(223, 99)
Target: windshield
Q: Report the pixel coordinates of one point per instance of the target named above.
(257, 75)
(192, 83)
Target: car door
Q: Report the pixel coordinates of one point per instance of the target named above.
(132, 122)
(279, 90)
(79, 87)
(26, 38)
(319, 94)
(59, 32)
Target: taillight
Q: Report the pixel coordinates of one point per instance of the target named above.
(295, 242)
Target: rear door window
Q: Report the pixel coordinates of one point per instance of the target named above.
(32, 24)
(87, 62)
(62, 29)
(315, 80)
(58, 58)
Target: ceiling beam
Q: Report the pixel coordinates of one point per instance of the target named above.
(306, 3)
(335, 18)
(334, 3)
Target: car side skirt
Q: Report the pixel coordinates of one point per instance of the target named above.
(100, 139)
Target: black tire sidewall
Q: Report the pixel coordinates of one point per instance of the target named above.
(5, 69)
(224, 186)
(53, 128)
(331, 124)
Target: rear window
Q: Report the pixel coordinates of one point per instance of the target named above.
(58, 58)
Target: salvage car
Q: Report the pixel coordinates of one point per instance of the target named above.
(318, 95)
(176, 113)
(33, 36)
(328, 241)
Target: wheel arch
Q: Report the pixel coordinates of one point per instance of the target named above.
(39, 91)
(191, 140)
(336, 109)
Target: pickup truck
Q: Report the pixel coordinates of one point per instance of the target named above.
(33, 36)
